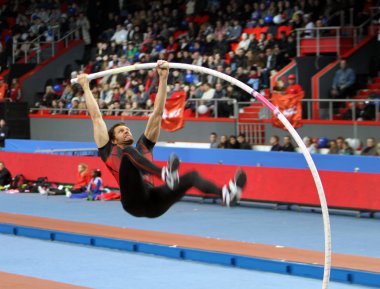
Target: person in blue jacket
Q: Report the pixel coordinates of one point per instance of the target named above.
(94, 187)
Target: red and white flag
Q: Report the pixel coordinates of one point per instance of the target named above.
(290, 106)
(172, 118)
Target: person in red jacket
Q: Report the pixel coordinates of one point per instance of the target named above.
(293, 88)
(83, 176)
(3, 89)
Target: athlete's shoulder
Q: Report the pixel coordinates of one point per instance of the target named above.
(105, 150)
(144, 143)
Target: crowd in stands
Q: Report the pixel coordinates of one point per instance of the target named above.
(26, 25)
(207, 33)
(314, 145)
(323, 145)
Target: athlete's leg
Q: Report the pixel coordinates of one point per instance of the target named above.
(169, 174)
(141, 162)
(162, 198)
(133, 190)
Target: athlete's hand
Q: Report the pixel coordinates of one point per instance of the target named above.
(82, 79)
(162, 68)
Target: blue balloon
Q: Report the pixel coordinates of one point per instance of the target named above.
(57, 87)
(72, 10)
(268, 19)
(189, 78)
(323, 142)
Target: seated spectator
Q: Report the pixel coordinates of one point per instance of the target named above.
(244, 42)
(223, 143)
(83, 177)
(339, 142)
(243, 144)
(254, 78)
(370, 149)
(233, 143)
(213, 140)
(94, 187)
(346, 149)
(333, 147)
(378, 149)
(343, 83)
(67, 93)
(74, 109)
(311, 147)
(288, 145)
(5, 175)
(275, 143)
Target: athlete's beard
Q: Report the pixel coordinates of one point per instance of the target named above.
(128, 142)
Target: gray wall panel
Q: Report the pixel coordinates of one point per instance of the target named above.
(81, 129)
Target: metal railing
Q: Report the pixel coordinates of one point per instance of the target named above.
(356, 33)
(194, 104)
(329, 109)
(32, 50)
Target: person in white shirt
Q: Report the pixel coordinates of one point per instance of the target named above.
(120, 35)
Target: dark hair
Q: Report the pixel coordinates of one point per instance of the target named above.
(97, 173)
(111, 131)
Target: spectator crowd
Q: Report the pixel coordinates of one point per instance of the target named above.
(208, 33)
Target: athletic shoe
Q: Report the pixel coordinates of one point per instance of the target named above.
(232, 192)
(170, 173)
(67, 193)
(42, 190)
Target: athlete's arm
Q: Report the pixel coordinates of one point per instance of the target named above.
(100, 129)
(152, 131)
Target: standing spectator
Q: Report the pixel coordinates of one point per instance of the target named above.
(15, 91)
(83, 26)
(275, 143)
(5, 175)
(3, 89)
(370, 149)
(270, 64)
(343, 82)
(213, 140)
(4, 130)
(288, 145)
(243, 144)
(293, 87)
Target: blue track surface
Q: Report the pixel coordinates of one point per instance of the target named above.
(110, 269)
(267, 226)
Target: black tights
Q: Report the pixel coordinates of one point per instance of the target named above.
(141, 199)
